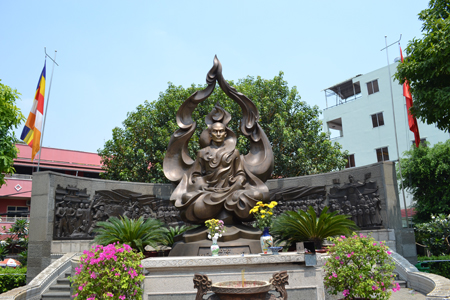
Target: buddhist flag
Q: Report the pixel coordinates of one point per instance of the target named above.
(412, 121)
(31, 133)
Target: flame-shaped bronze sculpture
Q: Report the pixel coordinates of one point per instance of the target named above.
(220, 183)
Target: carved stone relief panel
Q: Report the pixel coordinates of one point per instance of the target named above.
(76, 213)
(299, 198)
(358, 199)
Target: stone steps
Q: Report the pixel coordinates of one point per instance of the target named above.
(59, 290)
(402, 283)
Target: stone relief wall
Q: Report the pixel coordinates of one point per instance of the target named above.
(360, 200)
(77, 213)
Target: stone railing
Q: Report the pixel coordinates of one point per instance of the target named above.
(434, 286)
(35, 289)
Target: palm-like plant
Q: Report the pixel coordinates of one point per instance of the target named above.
(292, 227)
(134, 232)
(174, 231)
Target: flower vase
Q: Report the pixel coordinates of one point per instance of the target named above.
(266, 241)
(214, 247)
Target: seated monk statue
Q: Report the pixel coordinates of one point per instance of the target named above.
(220, 183)
(217, 185)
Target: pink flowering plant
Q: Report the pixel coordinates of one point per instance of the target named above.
(109, 272)
(359, 267)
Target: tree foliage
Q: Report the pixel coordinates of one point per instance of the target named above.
(136, 151)
(426, 174)
(435, 235)
(10, 118)
(427, 66)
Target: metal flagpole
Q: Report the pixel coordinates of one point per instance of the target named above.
(395, 126)
(48, 100)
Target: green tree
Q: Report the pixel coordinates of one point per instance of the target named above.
(427, 66)
(435, 234)
(136, 151)
(10, 117)
(426, 174)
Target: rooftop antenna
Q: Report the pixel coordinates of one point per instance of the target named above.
(395, 126)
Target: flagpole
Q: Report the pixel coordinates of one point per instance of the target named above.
(395, 126)
(46, 105)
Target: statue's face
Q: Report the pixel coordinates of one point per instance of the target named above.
(218, 133)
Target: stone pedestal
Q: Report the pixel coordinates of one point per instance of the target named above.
(237, 239)
(172, 277)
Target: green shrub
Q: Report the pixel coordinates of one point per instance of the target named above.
(360, 268)
(134, 232)
(440, 268)
(11, 278)
(292, 227)
(111, 272)
(174, 231)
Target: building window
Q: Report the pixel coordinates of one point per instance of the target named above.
(377, 119)
(350, 161)
(372, 87)
(17, 211)
(422, 142)
(382, 154)
(335, 128)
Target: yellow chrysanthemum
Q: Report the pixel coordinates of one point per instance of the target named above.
(258, 203)
(263, 216)
(270, 213)
(270, 206)
(273, 203)
(262, 211)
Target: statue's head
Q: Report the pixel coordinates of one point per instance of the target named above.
(351, 178)
(218, 132)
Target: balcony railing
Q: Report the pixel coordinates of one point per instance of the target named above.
(12, 219)
(19, 176)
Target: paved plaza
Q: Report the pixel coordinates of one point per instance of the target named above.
(407, 294)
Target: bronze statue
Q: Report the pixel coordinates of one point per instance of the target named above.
(217, 185)
(220, 183)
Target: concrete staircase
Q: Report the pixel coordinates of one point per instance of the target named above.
(60, 289)
(398, 280)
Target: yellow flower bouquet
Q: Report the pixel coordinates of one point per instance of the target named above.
(263, 213)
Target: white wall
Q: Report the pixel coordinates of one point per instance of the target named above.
(360, 138)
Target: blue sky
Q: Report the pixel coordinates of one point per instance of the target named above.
(114, 55)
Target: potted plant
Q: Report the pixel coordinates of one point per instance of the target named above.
(215, 230)
(301, 226)
(360, 268)
(134, 232)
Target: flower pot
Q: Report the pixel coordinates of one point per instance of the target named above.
(148, 254)
(214, 247)
(321, 250)
(266, 241)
